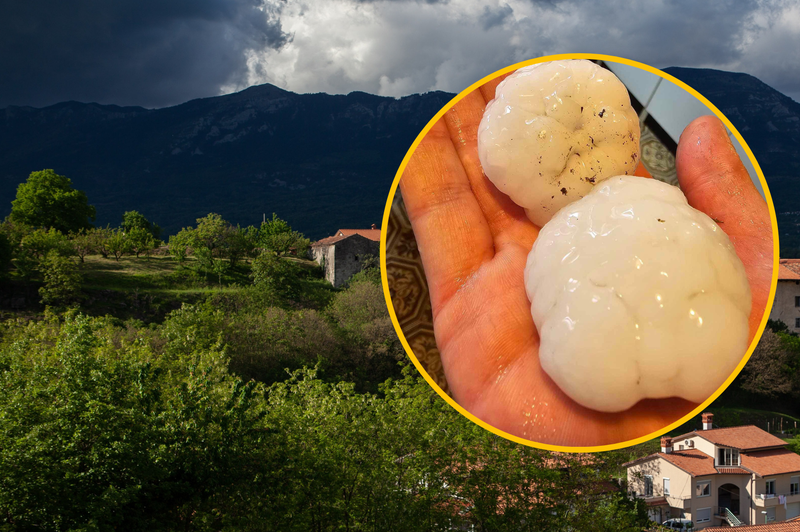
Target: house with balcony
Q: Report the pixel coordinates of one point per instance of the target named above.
(730, 476)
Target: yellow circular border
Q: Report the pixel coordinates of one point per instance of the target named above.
(596, 448)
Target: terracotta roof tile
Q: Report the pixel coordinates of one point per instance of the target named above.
(771, 462)
(732, 471)
(784, 526)
(785, 274)
(791, 264)
(694, 462)
(328, 240)
(372, 234)
(742, 438)
(341, 234)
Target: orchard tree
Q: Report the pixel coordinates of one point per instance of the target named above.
(276, 235)
(83, 243)
(48, 200)
(119, 244)
(100, 237)
(135, 220)
(141, 241)
(179, 244)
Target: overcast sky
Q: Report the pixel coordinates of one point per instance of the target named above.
(157, 53)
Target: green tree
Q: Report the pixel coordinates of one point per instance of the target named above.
(40, 242)
(62, 280)
(38, 245)
(276, 274)
(99, 240)
(208, 242)
(210, 233)
(136, 220)
(141, 241)
(48, 200)
(180, 243)
(278, 236)
(83, 243)
(118, 243)
(15, 231)
(238, 244)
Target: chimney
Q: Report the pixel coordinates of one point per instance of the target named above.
(666, 444)
(708, 421)
(373, 226)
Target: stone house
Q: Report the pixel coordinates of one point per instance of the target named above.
(730, 476)
(786, 307)
(343, 254)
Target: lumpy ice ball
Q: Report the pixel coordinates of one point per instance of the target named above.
(636, 294)
(553, 131)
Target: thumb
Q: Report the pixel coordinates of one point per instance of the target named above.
(716, 182)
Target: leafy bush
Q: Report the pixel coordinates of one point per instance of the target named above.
(104, 428)
(95, 439)
(276, 274)
(62, 280)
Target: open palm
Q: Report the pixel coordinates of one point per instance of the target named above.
(474, 241)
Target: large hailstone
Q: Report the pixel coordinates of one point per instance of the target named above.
(553, 131)
(635, 294)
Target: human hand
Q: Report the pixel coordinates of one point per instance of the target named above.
(474, 241)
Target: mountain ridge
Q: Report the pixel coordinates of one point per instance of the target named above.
(319, 160)
(311, 158)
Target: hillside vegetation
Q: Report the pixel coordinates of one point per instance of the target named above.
(216, 381)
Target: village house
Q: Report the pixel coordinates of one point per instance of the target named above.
(729, 476)
(342, 255)
(786, 307)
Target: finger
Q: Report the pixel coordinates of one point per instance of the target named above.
(507, 220)
(716, 182)
(452, 234)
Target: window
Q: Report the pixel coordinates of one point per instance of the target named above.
(769, 488)
(797, 323)
(770, 515)
(680, 447)
(703, 489)
(797, 301)
(728, 457)
(648, 486)
(666, 487)
(794, 486)
(704, 515)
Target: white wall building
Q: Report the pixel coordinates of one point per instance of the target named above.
(719, 476)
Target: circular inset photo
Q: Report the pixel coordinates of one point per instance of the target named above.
(579, 252)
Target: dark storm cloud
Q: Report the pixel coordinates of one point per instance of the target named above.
(398, 1)
(146, 52)
(492, 17)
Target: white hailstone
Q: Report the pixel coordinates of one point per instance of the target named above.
(553, 131)
(636, 295)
